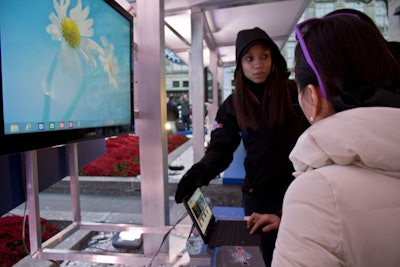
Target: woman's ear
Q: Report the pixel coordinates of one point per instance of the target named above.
(320, 107)
(314, 97)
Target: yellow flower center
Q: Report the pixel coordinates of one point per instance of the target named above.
(70, 32)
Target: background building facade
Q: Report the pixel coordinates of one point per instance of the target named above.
(177, 76)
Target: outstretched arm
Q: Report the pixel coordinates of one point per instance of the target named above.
(225, 138)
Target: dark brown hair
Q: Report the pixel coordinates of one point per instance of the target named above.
(276, 99)
(394, 46)
(352, 59)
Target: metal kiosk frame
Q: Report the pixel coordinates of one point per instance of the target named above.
(48, 250)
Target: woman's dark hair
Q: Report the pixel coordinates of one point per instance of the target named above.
(352, 59)
(276, 99)
(394, 46)
(360, 14)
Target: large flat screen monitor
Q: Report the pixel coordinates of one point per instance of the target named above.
(66, 72)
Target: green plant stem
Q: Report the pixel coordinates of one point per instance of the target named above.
(79, 94)
(48, 89)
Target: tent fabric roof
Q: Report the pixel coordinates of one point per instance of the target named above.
(223, 19)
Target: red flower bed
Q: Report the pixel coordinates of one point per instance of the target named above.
(122, 156)
(11, 246)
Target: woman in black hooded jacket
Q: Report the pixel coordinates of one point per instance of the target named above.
(264, 114)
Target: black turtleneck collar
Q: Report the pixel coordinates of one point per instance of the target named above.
(258, 89)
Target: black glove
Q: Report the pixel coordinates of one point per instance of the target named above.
(188, 184)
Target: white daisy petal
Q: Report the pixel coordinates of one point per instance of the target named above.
(74, 33)
(86, 28)
(109, 62)
(76, 11)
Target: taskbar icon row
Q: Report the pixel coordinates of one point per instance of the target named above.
(41, 126)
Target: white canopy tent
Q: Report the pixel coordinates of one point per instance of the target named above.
(222, 20)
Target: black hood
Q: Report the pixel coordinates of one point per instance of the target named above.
(246, 38)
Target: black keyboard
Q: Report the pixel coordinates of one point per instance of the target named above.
(232, 233)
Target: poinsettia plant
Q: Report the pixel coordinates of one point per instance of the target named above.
(122, 156)
(12, 246)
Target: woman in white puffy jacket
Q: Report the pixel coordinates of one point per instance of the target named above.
(343, 208)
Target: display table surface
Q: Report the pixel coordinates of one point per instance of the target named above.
(196, 247)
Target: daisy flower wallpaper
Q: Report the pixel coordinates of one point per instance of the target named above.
(66, 64)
